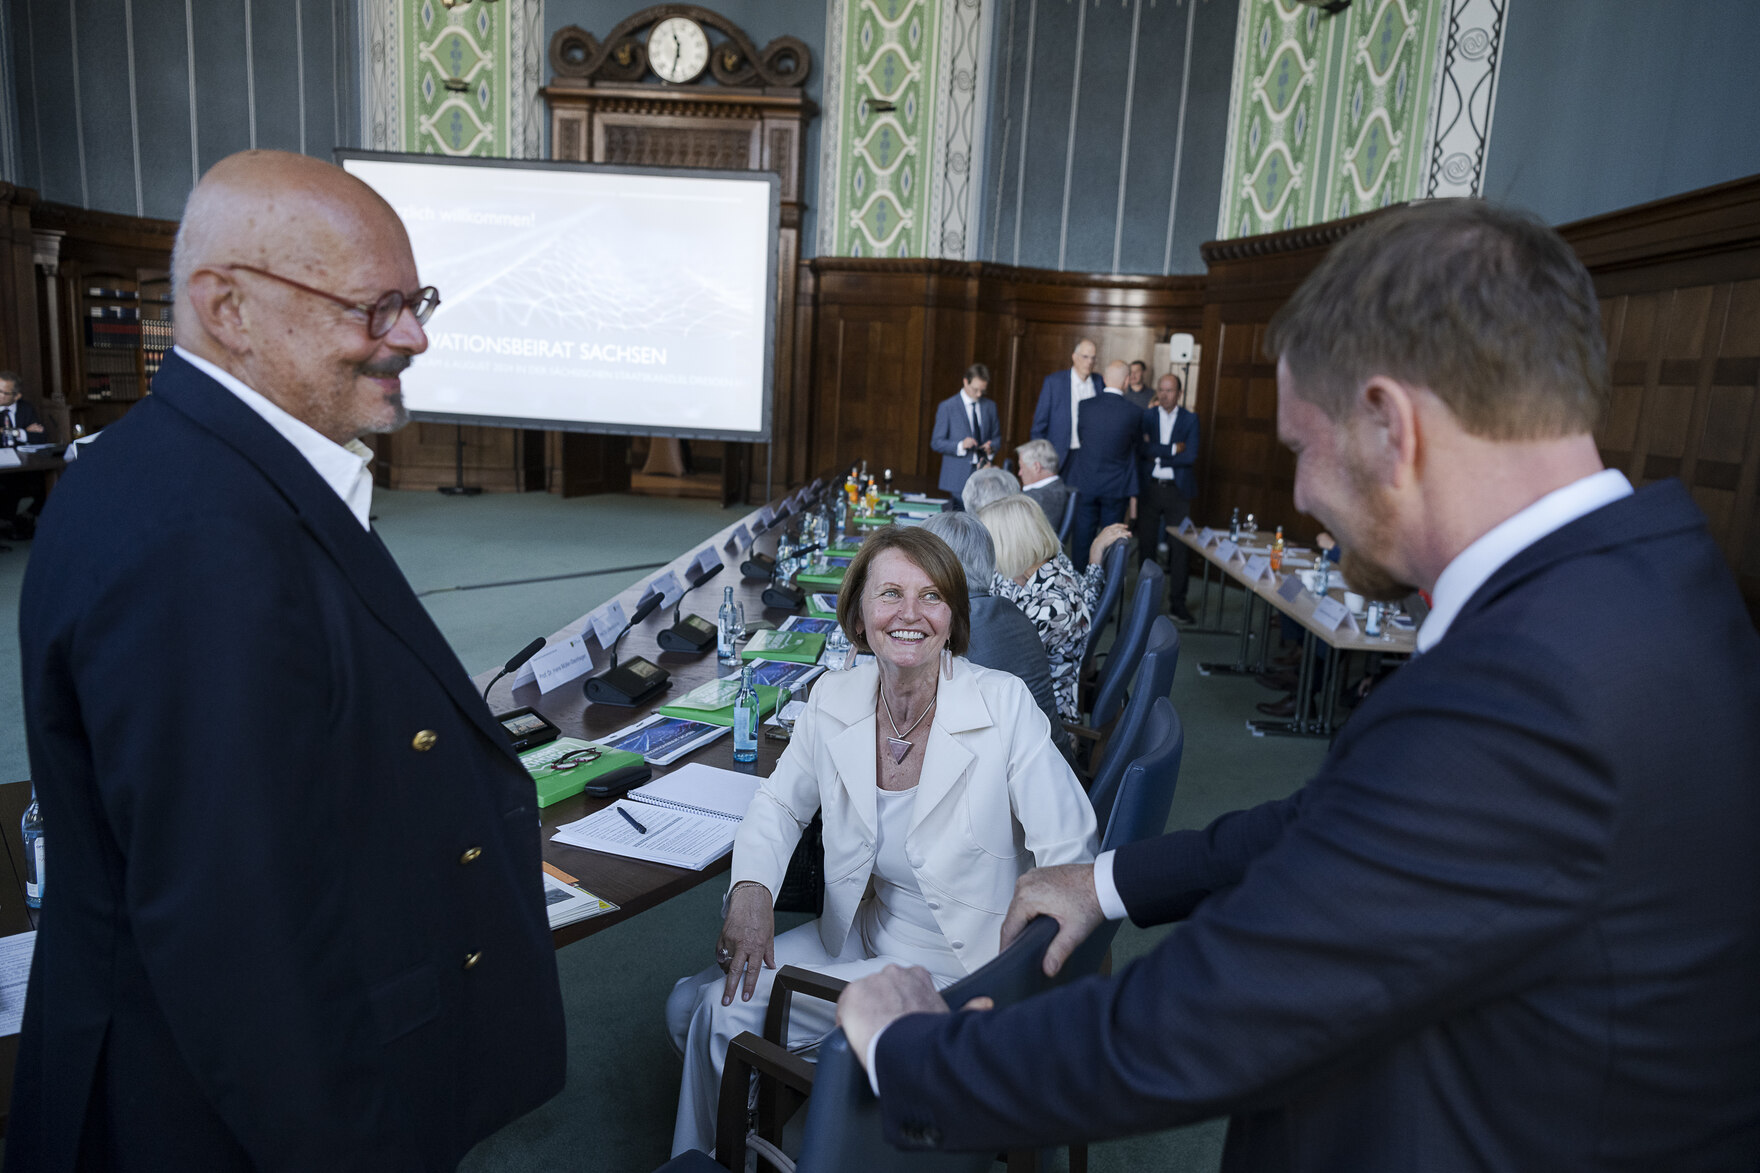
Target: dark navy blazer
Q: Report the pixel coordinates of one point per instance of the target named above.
(267, 886)
(1051, 415)
(1513, 923)
(1111, 431)
(953, 425)
(1185, 431)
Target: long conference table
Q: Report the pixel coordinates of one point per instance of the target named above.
(635, 885)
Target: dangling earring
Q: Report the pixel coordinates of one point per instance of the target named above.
(946, 664)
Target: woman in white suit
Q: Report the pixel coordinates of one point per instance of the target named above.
(939, 785)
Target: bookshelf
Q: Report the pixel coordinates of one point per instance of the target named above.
(113, 303)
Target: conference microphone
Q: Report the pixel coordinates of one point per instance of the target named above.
(786, 596)
(515, 664)
(695, 634)
(630, 683)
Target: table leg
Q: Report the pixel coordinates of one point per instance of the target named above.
(1300, 727)
(1240, 666)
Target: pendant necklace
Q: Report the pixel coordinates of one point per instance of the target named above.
(897, 744)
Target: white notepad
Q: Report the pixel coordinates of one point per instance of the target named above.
(688, 818)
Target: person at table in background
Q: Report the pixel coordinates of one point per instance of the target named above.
(1168, 485)
(987, 485)
(1137, 391)
(1060, 395)
(298, 917)
(968, 433)
(1003, 637)
(19, 425)
(1039, 480)
(1513, 922)
(1033, 573)
(1105, 480)
(939, 785)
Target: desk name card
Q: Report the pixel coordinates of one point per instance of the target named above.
(1227, 551)
(560, 663)
(740, 540)
(765, 519)
(818, 483)
(1258, 566)
(1333, 615)
(608, 623)
(1291, 588)
(707, 559)
(1186, 526)
(1206, 536)
(667, 587)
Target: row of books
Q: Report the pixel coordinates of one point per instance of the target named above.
(110, 335)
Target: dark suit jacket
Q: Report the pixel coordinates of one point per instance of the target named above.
(1005, 639)
(1053, 499)
(284, 826)
(1185, 431)
(1512, 924)
(24, 413)
(1111, 431)
(951, 426)
(1051, 416)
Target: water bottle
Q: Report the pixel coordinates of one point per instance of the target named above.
(1234, 526)
(32, 828)
(745, 718)
(731, 625)
(1325, 576)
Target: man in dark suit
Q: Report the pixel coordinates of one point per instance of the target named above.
(1039, 479)
(1105, 479)
(19, 424)
(1512, 923)
(297, 920)
(1062, 392)
(1168, 485)
(968, 433)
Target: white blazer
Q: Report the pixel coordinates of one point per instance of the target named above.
(995, 799)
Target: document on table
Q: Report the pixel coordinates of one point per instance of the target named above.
(15, 975)
(566, 902)
(681, 838)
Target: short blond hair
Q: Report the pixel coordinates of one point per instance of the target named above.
(1023, 537)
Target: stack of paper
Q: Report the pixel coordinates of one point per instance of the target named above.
(686, 819)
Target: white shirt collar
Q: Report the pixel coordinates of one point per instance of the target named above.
(1488, 554)
(1036, 484)
(1082, 386)
(342, 466)
(970, 402)
(1113, 390)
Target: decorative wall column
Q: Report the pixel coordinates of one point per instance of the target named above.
(453, 80)
(905, 82)
(1386, 101)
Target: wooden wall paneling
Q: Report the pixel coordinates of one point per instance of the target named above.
(19, 348)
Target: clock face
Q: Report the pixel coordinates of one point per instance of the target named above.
(678, 49)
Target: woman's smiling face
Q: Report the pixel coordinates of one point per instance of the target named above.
(904, 616)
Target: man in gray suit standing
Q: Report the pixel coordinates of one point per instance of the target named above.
(968, 433)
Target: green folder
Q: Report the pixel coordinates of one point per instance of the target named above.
(832, 577)
(882, 519)
(556, 785)
(844, 550)
(712, 702)
(816, 611)
(797, 647)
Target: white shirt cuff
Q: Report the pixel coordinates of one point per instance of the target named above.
(874, 1049)
(1163, 474)
(1111, 906)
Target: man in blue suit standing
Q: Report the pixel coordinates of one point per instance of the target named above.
(1105, 479)
(968, 433)
(1061, 393)
(1168, 485)
(1513, 922)
(297, 919)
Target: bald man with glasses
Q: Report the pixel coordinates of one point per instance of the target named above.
(297, 918)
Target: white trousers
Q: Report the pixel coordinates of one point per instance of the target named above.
(701, 1026)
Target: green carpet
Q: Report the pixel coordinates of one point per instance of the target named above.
(616, 1112)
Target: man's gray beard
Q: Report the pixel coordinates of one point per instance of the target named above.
(399, 419)
(1372, 580)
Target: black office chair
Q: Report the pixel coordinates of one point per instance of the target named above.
(1145, 789)
(1069, 519)
(1154, 680)
(1113, 677)
(843, 1117)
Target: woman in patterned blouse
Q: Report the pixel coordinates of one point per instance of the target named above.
(1033, 573)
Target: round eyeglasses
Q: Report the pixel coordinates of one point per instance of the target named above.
(576, 757)
(382, 312)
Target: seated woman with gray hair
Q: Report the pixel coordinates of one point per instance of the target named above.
(1002, 637)
(987, 485)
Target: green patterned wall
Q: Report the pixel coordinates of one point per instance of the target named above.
(1329, 114)
(888, 54)
(444, 45)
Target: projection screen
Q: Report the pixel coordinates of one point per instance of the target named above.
(588, 297)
